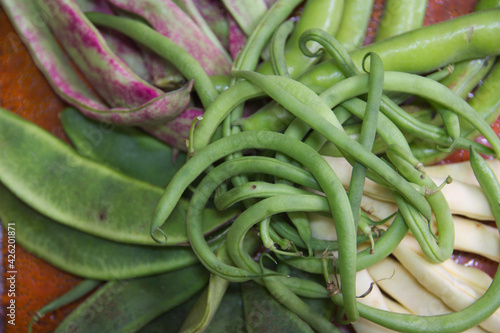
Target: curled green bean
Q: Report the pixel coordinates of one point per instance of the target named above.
(277, 87)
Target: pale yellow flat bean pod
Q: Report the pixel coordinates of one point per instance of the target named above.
(460, 171)
(450, 287)
(374, 298)
(394, 279)
(463, 199)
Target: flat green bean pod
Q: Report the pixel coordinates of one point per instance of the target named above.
(127, 305)
(82, 254)
(52, 178)
(125, 148)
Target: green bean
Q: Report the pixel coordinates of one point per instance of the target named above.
(470, 316)
(264, 312)
(368, 131)
(277, 48)
(271, 117)
(82, 254)
(420, 86)
(466, 37)
(465, 77)
(278, 204)
(273, 141)
(287, 231)
(383, 247)
(77, 292)
(442, 250)
(321, 14)
(277, 88)
(401, 16)
(204, 158)
(286, 297)
(52, 178)
(354, 23)
(164, 47)
(485, 101)
(128, 305)
(250, 54)
(254, 190)
(125, 148)
(277, 13)
(206, 306)
(217, 111)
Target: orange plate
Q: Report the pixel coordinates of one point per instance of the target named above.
(25, 91)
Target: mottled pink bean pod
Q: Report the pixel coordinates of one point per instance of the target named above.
(169, 20)
(175, 132)
(122, 46)
(128, 99)
(214, 14)
(237, 37)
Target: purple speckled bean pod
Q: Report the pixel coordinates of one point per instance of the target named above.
(122, 46)
(162, 73)
(176, 132)
(237, 38)
(146, 104)
(189, 7)
(169, 20)
(214, 14)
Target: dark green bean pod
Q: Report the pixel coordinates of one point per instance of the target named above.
(84, 255)
(54, 179)
(127, 305)
(127, 149)
(401, 16)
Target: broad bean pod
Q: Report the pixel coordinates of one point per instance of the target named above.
(103, 207)
(85, 255)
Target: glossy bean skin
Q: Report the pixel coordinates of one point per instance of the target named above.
(485, 101)
(82, 254)
(113, 206)
(321, 14)
(463, 38)
(278, 142)
(355, 19)
(400, 17)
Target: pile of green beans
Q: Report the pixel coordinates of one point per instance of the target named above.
(233, 213)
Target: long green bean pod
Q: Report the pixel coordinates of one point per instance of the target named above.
(355, 19)
(401, 16)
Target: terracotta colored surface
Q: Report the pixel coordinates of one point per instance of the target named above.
(24, 91)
